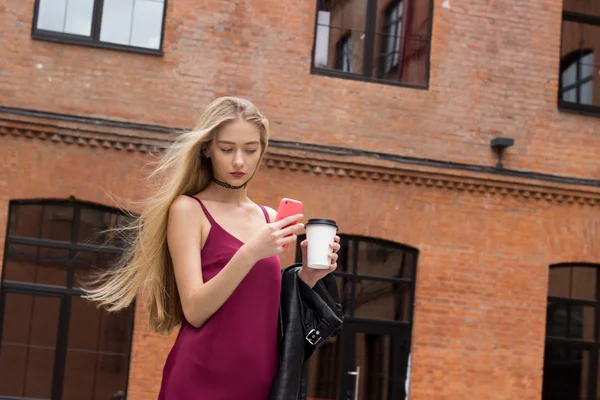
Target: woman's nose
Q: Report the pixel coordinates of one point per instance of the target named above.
(238, 159)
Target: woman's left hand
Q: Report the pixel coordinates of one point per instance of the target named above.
(311, 276)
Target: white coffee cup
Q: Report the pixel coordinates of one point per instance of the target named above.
(320, 233)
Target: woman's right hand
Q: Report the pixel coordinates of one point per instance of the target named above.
(270, 239)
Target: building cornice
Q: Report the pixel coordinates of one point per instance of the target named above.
(302, 161)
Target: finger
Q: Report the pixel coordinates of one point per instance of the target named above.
(286, 240)
(294, 229)
(332, 267)
(336, 239)
(333, 257)
(335, 246)
(288, 220)
(304, 243)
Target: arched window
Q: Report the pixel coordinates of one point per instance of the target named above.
(54, 344)
(572, 336)
(376, 280)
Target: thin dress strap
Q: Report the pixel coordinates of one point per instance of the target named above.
(210, 218)
(266, 214)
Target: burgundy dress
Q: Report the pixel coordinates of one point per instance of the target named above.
(233, 355)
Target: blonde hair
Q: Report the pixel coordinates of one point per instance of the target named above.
(146, 263)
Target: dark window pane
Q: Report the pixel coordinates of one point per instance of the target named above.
(598, 379)
(580, 63)
(36, 264)
(88, 264)
(377, 351)
(346, 257)
(566, 372)
(57, 222)
(322, 371)
(111, 374)
(25, 220)
(382, 300)
(93, 226)
(344, 285)
(29, 334)
(408, 268)
(389, 40)
(571, 321)
(90, 225)
(582, 6)
(379, 259)
(573, 282)
(340, 34)
(97, 352)
(382, 361)
(78, 382)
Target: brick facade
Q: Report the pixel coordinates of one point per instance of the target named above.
(485, 240)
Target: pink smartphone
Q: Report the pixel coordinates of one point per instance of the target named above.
(286, 208)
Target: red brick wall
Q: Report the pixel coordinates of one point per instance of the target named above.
(481, 279)
(494, 71)
(482, 274)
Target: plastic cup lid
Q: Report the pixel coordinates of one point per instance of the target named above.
(321, 221)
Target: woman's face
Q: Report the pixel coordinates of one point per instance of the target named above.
(235, 152)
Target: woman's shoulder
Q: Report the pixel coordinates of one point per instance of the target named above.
(186, 211)
(183, 204)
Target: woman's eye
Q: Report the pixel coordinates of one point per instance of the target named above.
(226, 150)
(251, 151)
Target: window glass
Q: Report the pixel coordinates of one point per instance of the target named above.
(116, 21)
(96, 344)
(51, 15)
(29, 333)
(66, 16)
(147, 23)
(573, 282)
(36, 264)
(78, 18)
(392, 47)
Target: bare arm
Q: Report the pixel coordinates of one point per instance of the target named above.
(186, 228)
(199, 299)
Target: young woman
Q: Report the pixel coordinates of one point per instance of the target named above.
(207, 258)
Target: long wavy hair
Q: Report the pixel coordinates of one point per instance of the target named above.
(146, 265)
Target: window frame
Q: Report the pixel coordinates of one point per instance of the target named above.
(93, 40)
(65, 293)
(580, 18)
(403, 328)
(354, 277)
(367, 69)
(593, 346)
(574, 60)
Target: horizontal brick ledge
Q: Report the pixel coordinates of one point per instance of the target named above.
(332, 166)
(431, 177)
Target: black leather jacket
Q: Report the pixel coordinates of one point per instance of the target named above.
(307, 318)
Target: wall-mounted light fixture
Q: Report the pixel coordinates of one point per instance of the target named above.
(498, 145)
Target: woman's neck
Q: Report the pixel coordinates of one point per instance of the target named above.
(226, 195)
